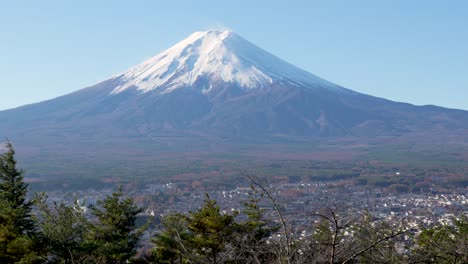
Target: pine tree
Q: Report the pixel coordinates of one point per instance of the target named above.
(16, 226)
(64, 229)
(250, 238)
(444, 243)
(210, 231)
(374, 242)
(13, 192)
(170, 245)
(116, 235)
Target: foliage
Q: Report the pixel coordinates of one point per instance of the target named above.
(210, 230)
(115, 235)
(201, 236)
(250, 240)
(13, 192)
(64, 231)
(375, 236)
(17, 230)
(169, 244)
(70, 236)
(444, 243)
(108, 232)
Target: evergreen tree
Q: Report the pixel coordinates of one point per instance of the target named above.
(64, 229)
(115, 235)
(202, 236)
(16, 226)
(170, 245)
(375, 242)
(329, 243)
(256, 225)
(210, 231)
(13, 192)
(444, 243)
(250, 239)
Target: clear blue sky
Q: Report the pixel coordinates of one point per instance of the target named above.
(412, 51)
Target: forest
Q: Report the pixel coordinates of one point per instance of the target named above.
(35, 229)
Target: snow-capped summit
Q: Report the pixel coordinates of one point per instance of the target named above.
(218, 56)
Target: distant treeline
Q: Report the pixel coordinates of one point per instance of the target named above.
(40, 231)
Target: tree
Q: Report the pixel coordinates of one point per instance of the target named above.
(202, 236)
(329, 240)
(17, 229)
(170, 245)
(342, 238)
(115, 235)
(374, 242)
(284, 250)
(210, 231)
(13, 192)
(64, 229)
(444, 243)
(250, 240)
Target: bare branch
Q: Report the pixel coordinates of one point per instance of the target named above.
(386, 238)
(255, 182)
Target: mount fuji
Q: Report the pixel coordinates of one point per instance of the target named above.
(218, 57)
(212, 87)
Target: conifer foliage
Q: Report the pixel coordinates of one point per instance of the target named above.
(64, 231)
(115, 235)
(202, 236)
(16, 225)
